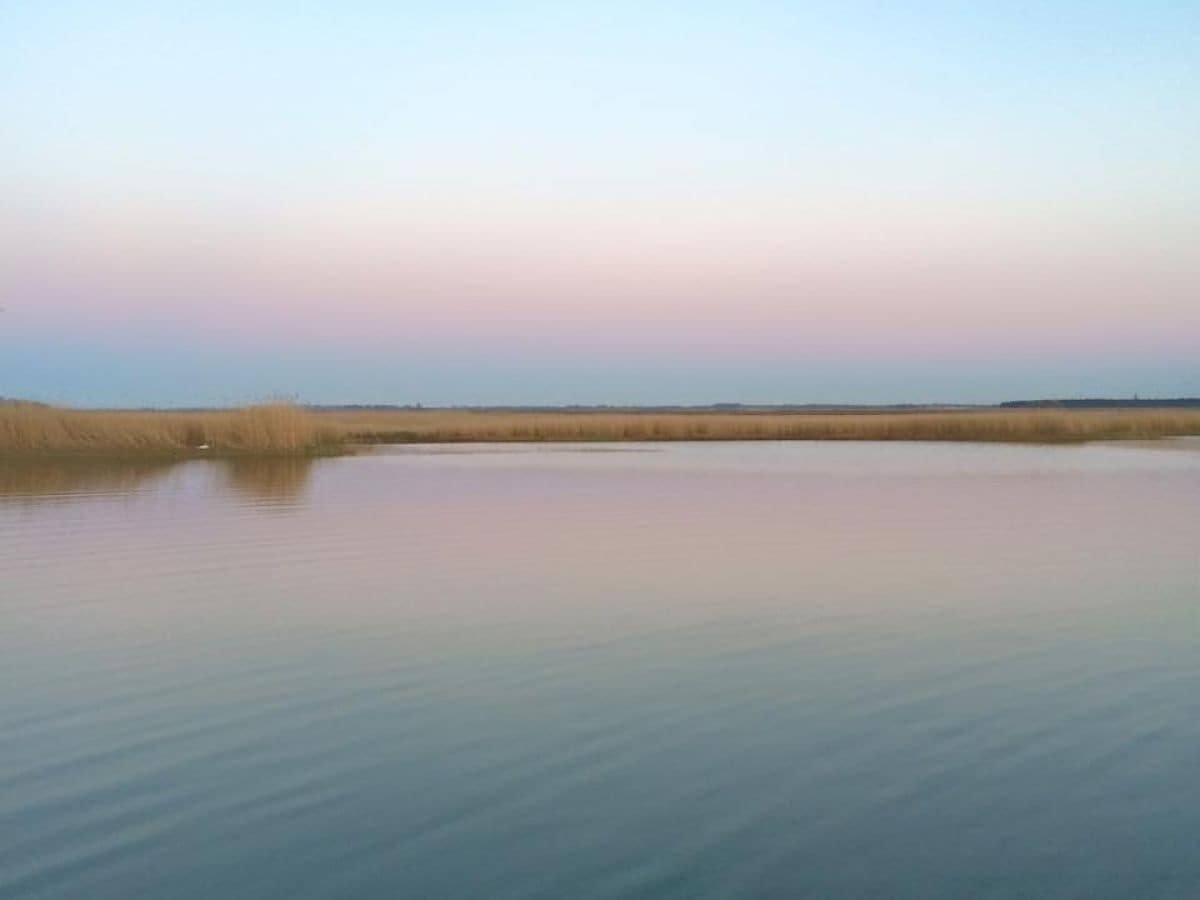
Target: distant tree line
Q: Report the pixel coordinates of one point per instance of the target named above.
(1105, 403)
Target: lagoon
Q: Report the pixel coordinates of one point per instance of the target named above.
(707, 670)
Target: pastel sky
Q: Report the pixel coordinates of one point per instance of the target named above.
(609, 202)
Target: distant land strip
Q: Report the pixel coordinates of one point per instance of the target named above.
(1106, 403)
(1071, 403)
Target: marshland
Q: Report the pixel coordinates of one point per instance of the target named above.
(268, 428)
(280, 428)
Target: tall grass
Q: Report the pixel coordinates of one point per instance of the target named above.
(1046, 426)
(286, 429)
(269, 428)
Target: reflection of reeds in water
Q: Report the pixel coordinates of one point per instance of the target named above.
(280, 479)
(24, 477)
(272, 479)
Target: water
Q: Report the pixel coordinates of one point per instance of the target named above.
(694, 671)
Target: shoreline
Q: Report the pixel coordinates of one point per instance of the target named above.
(29, 430)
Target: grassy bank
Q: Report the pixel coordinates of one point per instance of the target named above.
(1046, 426)
(265, 429)
(281, 429)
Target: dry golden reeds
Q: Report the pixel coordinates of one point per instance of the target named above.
(269, 428)
(1042, 425)
(287, 429)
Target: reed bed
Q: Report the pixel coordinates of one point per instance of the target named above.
(1040, 426)
(282, 429)
(263, 429)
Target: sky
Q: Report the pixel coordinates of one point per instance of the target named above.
(609, 202)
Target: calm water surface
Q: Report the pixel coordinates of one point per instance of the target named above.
(692, 671)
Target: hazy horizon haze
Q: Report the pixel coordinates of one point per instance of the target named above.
(598, 203)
